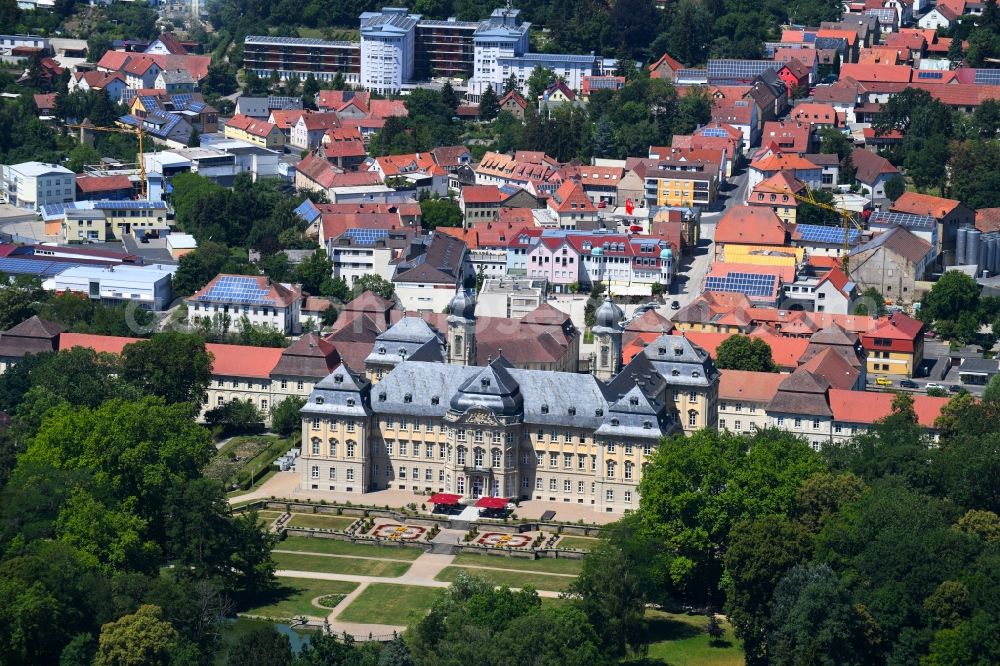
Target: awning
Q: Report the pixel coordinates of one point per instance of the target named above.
(444, 498)
(491, 502)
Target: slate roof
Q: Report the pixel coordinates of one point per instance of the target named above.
(899, 240)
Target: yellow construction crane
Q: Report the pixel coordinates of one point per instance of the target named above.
(847, 217)
(137, 132)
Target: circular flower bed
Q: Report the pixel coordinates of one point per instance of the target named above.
(396, 532)
(498, 540)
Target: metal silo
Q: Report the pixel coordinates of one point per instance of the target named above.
(960, 246)
(994, 265)
(972, 252)
(989, 246)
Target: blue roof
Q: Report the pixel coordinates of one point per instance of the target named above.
(819, 233)
(307, 211)
(39, 267)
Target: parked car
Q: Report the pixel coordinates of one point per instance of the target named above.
(883, 381)
(908, 383)
(935, 385)
(955, 388)
(675, 305)
(929, 335)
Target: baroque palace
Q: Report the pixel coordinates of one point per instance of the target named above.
(434, 422)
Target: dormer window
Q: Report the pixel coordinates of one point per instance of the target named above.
(598, 412)
(319, 400)
(648, 425)
(675, 372)
(661, 350)
(350, 402)
(545, 409)
(614, 422)
(572, 411)
(402, 353)
(695, 373)
(485, 382)
(435, 400)
(633, 401)
(338, 379)
(408, 397)
(381, 350)
(678, 351)
(381, 396)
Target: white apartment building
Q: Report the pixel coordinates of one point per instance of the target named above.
(387, 40)
(502, 35)
(570, 68)
(36, 184)
(256, 297)
(358, 252)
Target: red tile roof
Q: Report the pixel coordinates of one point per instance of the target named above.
(570, 198)
(338, 100)
(924, 204)
(791, 136)
(285, 119)
(88, 184)
(481, 194)
(251, 125)
(387, 108)
(739, 385)
(318, 121)
(664, 61)
(751, 225)
(988, 219)
(865, 73)
(867, 407)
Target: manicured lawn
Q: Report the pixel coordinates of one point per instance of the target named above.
(342, 565)
(320, 521)
(265, 518)
(680, 640)
(510, 578)
(293, 597)
(336, 547)
(384, 603)
(578, 542)
(543, 565)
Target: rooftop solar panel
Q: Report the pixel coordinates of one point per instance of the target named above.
(366, 236)
(818, 233)
(237, 289)
(987, 77)
(739, 69)
(929, 75)
(751, 284)
(41, 268)
(884, 218)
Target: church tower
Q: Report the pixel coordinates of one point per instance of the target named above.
(462, 329)
(608, 340)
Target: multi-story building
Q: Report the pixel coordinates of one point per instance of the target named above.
(496, 430)
(429, 280)
(502, 35)
(256, 297)
(445, 48)
(682, 183)
(387, 49)
(743, 399)
(895, 346)
(299, 57)
(360, 251)
(36, 184)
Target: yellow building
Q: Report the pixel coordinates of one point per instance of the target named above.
(762, 255)
(681, 183)
(258, 132)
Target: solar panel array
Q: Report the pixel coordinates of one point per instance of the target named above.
(988, 77)
(130, 205)
(605, 83)
(818, 233)
(714, 132)
(751, 284)
(739, 69)
(366, 236)
(236, 289)
(40, 268)
(907, 220)
(929, 75)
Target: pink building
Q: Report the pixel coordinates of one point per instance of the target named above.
(555, 259)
